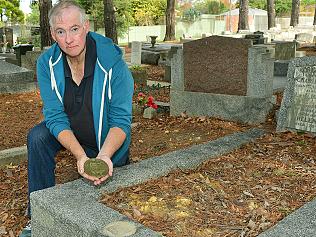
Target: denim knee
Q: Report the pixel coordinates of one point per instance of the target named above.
(38, 135)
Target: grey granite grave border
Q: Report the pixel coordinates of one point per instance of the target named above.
(301, 223)
(73, 209)
(13, 155)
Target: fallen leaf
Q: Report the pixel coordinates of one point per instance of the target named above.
(248, 194)
(3, 230)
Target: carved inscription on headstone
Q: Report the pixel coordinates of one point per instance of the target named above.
(302, 113)
(298, 109)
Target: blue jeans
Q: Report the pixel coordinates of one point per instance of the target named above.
(42, 148)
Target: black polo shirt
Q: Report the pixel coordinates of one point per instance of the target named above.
(78, 99)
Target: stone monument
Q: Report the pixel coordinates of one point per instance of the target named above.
(298, 108)
(15, 79)
(136, 58)
(223, 77)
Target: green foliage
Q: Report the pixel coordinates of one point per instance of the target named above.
(10, 9)
(259, 4)
(190, 15)
(35, 40)
(148, 12)
(34, 17)
(283, 7)
(210, 7)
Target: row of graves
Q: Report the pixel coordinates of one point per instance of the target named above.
(232, 79)
(216, 76)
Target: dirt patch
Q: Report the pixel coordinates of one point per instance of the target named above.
(18, 114)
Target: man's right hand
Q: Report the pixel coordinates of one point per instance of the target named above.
(80, 165)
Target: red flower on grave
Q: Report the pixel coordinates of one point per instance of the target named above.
(151, 103)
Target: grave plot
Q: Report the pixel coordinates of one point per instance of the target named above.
(24, 110)
(60, 209)
(242, 193)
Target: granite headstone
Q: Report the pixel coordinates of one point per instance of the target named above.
(136, 58)
(284, 50)
(298, 108)
(216, 64)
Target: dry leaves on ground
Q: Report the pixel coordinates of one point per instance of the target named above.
(239, 194)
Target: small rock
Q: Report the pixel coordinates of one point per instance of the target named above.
(150, 113)
(119, 229)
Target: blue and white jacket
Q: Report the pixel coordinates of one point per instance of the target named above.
(111, 94)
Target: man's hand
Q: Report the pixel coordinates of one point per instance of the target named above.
(80, 166)
(108, 161)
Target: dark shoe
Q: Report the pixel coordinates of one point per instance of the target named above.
(26, 232)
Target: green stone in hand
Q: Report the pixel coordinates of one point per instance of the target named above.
(96, 167)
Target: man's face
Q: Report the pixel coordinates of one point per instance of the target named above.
(69, 32)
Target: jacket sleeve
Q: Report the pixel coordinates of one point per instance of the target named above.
(122, 84)
(55, 118)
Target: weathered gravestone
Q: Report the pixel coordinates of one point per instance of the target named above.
(216, 64)
(298, 108)
(235, 86)
(284, 52)
(15, 79)
(136, 58)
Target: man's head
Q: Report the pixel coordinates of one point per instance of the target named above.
(69, 27)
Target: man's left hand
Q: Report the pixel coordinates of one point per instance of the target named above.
(108, 161)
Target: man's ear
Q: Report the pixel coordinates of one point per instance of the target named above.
(87, 26)
(52, 34)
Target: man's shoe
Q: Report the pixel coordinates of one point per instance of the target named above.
(26, 232)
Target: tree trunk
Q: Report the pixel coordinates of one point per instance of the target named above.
(315, 16)
(295, 12)
(46, 38)
(110, 20)
(243, 15)
(170, 21)
(271, 13)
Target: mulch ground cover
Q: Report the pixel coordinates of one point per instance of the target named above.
(149, 138)
(239, 194)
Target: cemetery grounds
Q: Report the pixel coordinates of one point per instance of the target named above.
(238, 194)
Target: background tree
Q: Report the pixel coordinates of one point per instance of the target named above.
(243, 15)
(46, 38)
(148, 12)
(271, 13)
(315, 16)
(295, 13)
(10, 10)
(210, 7)
(123, 14)
(110, 20)
(34, 17)
(170, 21)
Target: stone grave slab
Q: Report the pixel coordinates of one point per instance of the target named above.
(217, 65)
(301, 223)
(298, 108)
(73, 209)
(15, 79)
